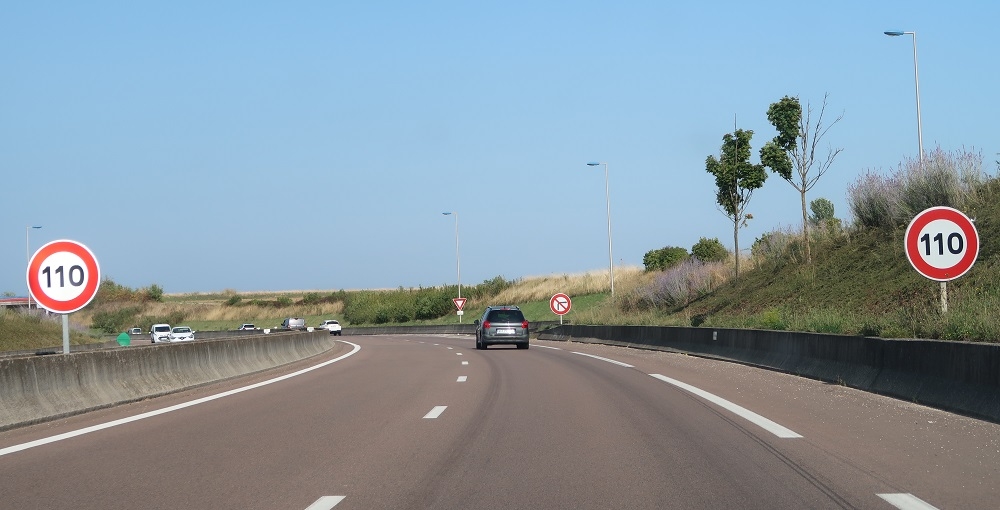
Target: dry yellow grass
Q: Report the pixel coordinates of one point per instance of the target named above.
(541, 288)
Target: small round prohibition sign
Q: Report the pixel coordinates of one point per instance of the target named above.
(941, 243)
(560, 304)
(63, 276)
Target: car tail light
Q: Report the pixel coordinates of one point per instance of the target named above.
(486, 324)
(524, 324)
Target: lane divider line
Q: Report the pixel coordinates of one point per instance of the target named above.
(626, 365)
(458, 353)
(740, 411)
(547, 347)
(462, 378)
(325, 503)
(907, 502)
(94, 428)
(465, 362)
(435, 412)
(450, 348)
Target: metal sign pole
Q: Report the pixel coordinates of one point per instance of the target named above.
(65, 324)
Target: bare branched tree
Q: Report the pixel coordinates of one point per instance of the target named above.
(792, 154)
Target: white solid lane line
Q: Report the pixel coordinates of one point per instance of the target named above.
(325, 503)
(547, 347)
(907, 502)
(742, 412)
(79, 432)
(626, 365)
(462, 378)
(435, 412)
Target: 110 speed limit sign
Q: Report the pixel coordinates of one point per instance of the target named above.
(942, 243)
(63, 276)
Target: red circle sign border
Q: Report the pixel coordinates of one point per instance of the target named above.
(913, 250)
(89, 291)
(552, 303)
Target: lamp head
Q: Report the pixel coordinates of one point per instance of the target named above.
(894, 33)
(593, 163)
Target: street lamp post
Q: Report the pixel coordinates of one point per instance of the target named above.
(916, 80)
(920, 135)
(458, 259)
(27, 254)
(607, 197)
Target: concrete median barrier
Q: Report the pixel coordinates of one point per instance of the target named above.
(956, 376)
(40, 388)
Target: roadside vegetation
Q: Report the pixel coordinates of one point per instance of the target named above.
(858, 281)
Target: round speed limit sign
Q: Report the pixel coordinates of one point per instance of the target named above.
(942, 243)
(63, 276)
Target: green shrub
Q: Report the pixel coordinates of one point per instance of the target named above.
(824, 321)
(709, 250)
(173, 318)
(154, 293)
(115, 320)
(234, 300)
(664, 258)
(772, 319)
(312, 298)
(283, 302)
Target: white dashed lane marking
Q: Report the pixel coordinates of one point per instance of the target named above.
(462, 378)
(626, 365)
(325, 503)
(465, 362)
(435, 412)
(907, 502)
(740, 411)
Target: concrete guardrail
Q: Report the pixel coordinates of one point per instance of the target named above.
(40, 388)
(961, 377)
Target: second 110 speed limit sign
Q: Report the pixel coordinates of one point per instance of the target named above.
(63, 276)
(942, 243)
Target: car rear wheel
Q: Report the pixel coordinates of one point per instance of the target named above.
(522, 346)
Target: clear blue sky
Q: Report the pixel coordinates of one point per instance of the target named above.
(246, 145)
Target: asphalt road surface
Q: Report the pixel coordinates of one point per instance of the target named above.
(430, 422)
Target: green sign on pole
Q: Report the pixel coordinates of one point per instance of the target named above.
(124, 339)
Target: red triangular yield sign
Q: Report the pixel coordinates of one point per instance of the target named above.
(459, 302)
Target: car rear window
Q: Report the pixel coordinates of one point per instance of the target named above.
(505, 316)
(162, 329)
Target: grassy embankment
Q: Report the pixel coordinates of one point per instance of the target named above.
(859, 282)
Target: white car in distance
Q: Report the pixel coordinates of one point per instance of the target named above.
(332, 326)
(181, 334)
(159, 333)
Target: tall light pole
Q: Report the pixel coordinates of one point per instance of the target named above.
(27, 254)
(920, 136)
(607, 197)
(916, 80)
(458, 259)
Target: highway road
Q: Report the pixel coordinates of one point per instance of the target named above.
(430, 422)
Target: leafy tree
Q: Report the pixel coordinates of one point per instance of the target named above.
(822, 210)
(666, 257)
(709, 250)
(795, 149)
(736, 179)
